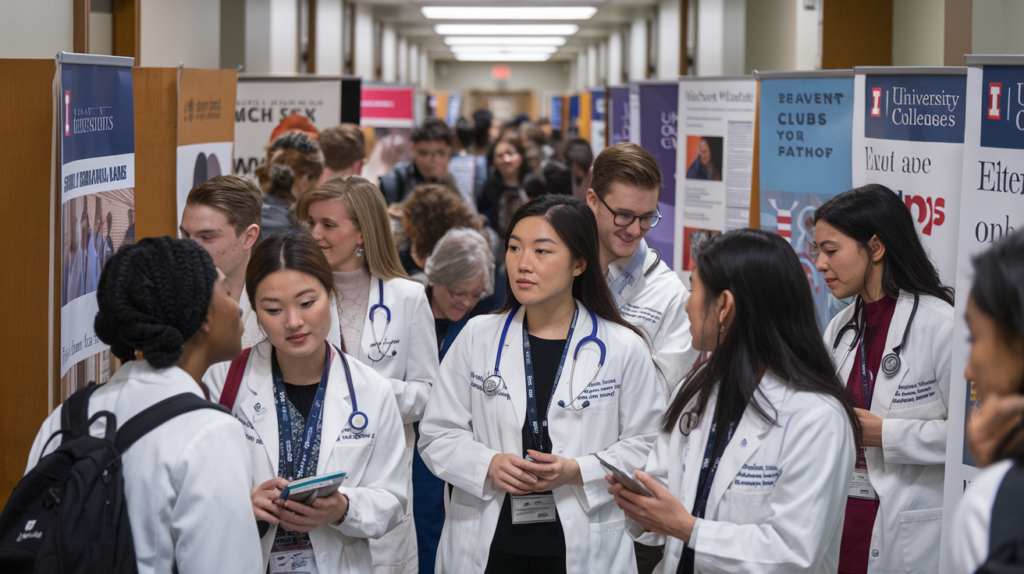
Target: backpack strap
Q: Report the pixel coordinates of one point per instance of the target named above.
(74, 416)
(158, 414)
(234, 380)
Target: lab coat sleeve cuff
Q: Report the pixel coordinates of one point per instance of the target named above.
(693, 534)
(594, 491)
(647, 538)
(367, 517)
(912, 441)
(485, 487)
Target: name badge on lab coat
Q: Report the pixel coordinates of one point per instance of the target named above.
(533, 508)
(860, 485)
(301, 561)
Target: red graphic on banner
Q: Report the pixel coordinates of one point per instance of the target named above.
(994, 90)
(386, 107)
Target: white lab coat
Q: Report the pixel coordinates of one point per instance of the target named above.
(968, 545)
(410, 363)
(375, 479)
(779, 496)
(656, 304)
(187, 482)
(464, 428)
(908, 470)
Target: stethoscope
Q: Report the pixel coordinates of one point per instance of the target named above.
(890, 362)
(495, 383)
(373, 326)
(358, 420)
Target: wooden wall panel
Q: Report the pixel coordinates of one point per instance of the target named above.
(856, 33)
(26, 98)
(156, 143)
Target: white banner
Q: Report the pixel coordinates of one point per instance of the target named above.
(261, 103)
(908, 130)
(715, 161)
(991, 206)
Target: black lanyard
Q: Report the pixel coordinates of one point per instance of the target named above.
(311, 436)
(707, 478)
(867, 385)
(536, 425)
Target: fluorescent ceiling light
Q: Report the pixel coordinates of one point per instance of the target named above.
(506, 29)
(505, 41)
(497, 57)
(504, 49)
(508, 12)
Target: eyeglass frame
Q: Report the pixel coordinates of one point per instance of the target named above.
(655, 218)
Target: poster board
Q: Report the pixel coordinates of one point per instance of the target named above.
(618, 114)
(714, 162)
(598, 120)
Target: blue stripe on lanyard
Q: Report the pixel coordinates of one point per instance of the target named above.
(867, 385)
(536, 425)
(311, 438)
(708, 470)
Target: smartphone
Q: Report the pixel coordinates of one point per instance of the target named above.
(633, 485)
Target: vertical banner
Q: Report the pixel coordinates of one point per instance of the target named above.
(97, 196)
(908, 135)
(618, 114)
(990, 208)
(206, 128)
(574, 116)
(715, 156)
(556, 113)
(805, 134)
(583, 124)
(598, 120)
(388, 111)
(263, 101)
(653, 127)
(454, 111)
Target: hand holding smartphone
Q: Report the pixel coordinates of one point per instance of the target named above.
(631, 484)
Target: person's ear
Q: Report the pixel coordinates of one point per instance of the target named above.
(876, 249)
(579, 267)
(726, 308)
(250, 235)
(592, 199)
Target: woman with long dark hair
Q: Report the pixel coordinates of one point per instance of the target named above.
(750, 471)
(527, 395)
(987, 528)
(891, 349)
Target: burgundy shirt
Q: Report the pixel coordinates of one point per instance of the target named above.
(855, 547)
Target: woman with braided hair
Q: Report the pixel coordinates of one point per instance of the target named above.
(187, 481)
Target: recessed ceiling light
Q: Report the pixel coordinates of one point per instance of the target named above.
(508, 12)
(497, 57)
(505, 40)
(504, 49)
(506, 29)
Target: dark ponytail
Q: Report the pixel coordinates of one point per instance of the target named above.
(153, 296)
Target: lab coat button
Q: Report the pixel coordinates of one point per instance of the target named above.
(874, 553)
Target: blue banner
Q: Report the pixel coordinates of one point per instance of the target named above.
(917, 108)
(805, 141)
(556, 112)
(618, 115)
(657, 134)
(1002, 115)
(454, 107)
(98, 112)
(597, 102)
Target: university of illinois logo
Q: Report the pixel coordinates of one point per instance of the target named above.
(995, 89)
(876, 102)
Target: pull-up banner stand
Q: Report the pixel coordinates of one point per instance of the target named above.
(908, 135)
(715, 157)
(388, 106)
(206, 128)
(264, 100)
(805, 130)
(990, 208)
(598, 120)
(652, 126)
(97, 198)
(618, 114)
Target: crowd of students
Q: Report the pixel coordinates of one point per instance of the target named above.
(477, 348)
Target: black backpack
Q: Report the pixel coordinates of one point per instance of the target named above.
(69, 514)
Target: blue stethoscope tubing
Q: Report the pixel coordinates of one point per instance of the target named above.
(890, 362)
(373, 327)
(358, 420)
(495, 382)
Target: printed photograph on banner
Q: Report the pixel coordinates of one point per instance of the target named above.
(704, 157)
(199, 163)
(693, 241)
(94, 227)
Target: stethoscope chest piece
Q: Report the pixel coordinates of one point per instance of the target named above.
(687, 422)
(358, 421)
(890, 364)
(492, 385)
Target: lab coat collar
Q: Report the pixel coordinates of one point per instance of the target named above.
(173, 376)
(885, 385)
(628, 273)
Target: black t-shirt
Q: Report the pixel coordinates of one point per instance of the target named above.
(301, 397)
(544, 539)
(441, 329)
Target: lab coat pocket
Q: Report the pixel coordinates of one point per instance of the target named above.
(609, 546)
(744, 507)
(350, 457)
(919, 535)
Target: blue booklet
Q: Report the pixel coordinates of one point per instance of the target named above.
(306, 490)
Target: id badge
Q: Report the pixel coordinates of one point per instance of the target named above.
(301, 561)
(533, 508)
(860, 485)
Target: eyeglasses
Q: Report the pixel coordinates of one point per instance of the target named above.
(463, 296)
(627, 219)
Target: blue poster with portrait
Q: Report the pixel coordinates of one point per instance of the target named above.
(805, 133)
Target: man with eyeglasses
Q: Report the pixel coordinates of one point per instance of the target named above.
(625, 187)
(431, 152)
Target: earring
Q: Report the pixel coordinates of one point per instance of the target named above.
(359, 252)
(721, 329)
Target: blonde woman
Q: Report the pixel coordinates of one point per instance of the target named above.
(384, 318)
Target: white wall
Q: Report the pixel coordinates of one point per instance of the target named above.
(638, 49)
(615, 58)
(388, 54)
(182, 31)
(36, 28)
(328, 37)
(414, 61)
(995, 27)
(668, 39)
(364, 48)
(581, 71)
(602, 63)
(403, 60)
(426, 71)
(918, 31)
(271, 36)
(781, 35)
(542, 77)
(101, 33)
(808, 36)
(591, 67)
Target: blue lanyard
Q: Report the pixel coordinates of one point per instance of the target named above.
(536, 427)
(311, 437)
(866, 384)
(708, 470)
